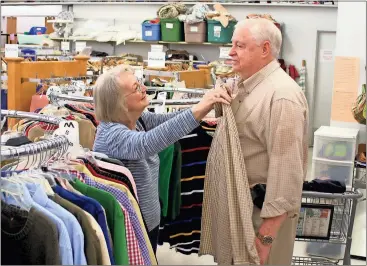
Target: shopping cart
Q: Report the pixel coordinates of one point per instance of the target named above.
(344, 206)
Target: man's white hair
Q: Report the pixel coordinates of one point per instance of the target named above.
(263, 29)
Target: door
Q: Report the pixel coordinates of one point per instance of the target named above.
(324, 77)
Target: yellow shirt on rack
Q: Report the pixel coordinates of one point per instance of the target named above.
(83, 169)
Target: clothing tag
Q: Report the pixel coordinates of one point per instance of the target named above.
(11, 50)
(70, 129)
(79, 88)
(12, 37)
(53, 90)
(194, 29)
(161, 108)
(148, 33)
(169, 25)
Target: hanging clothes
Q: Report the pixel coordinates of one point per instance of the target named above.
(183, 232)
(28, 237)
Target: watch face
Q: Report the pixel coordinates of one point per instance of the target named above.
(268, 240)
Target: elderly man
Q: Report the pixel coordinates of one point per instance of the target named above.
(271, 115)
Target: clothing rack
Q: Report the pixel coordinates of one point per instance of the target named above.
(54, 97)
(168, 89)
(34, 148)
(33, 116)
(58, 79)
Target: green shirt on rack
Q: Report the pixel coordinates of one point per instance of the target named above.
(165, 168)
(115, 219)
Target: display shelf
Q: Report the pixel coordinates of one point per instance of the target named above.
(143, 42)
(127, 2)
(60, 21)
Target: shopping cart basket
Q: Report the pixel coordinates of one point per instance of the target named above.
(344, 206)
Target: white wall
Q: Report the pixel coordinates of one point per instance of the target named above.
(351, 41)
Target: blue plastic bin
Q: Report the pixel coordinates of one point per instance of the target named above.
(37, 30)
(151, 32)
(29, 53)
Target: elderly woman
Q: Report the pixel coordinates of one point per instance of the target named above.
(136, 137)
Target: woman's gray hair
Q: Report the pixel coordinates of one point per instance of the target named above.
(263, 29)
(109, 103)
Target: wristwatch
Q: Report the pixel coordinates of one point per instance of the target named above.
(266, 240)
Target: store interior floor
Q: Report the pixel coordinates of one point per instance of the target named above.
(167, 256)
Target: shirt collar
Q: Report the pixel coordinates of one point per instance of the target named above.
(39, 195)
(248, 85)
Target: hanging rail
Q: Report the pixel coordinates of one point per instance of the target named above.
(33, 148)
(54, 97)
(58, 79)
(33, 116)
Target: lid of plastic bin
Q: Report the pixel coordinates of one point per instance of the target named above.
(337, 132)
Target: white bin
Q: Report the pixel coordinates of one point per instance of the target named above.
(333, 143)
(332, 170)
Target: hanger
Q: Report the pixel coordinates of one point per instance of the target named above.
(14, 188)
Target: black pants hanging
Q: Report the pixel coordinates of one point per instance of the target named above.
(153, 237)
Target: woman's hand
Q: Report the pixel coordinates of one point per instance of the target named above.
(218, 95)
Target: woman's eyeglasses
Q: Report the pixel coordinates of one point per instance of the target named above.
(139, 88)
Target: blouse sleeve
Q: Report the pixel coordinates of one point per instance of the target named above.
(285, 143)
(129, 144)
(153, 120)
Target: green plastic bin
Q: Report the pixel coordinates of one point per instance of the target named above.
(218, 34)
(172, 30)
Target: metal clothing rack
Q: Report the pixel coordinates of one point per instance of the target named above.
(59, 79)
(34, 148)
(54, 97)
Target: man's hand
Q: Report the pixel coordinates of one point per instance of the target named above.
(262, 250)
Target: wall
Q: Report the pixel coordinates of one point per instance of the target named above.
(351, 41)
(299, 32)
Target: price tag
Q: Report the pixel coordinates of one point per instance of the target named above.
(65, 46)
(156, 59)
(224, 52)
(161, 108)
(148, 33)
(79, 88)
(53, 90)
(169, 25)
(79, 46)
(11, 50)
(12, 37)
(156, 48)
(194, 29)
(70, 129)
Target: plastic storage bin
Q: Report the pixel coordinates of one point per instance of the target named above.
(29, 53)
(172, 30)
(218, 34)
(335, 143)
(328, 169)
(37, 30)
(151, 32)
(195, 33)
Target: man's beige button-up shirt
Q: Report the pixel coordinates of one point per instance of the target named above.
(271, 115)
